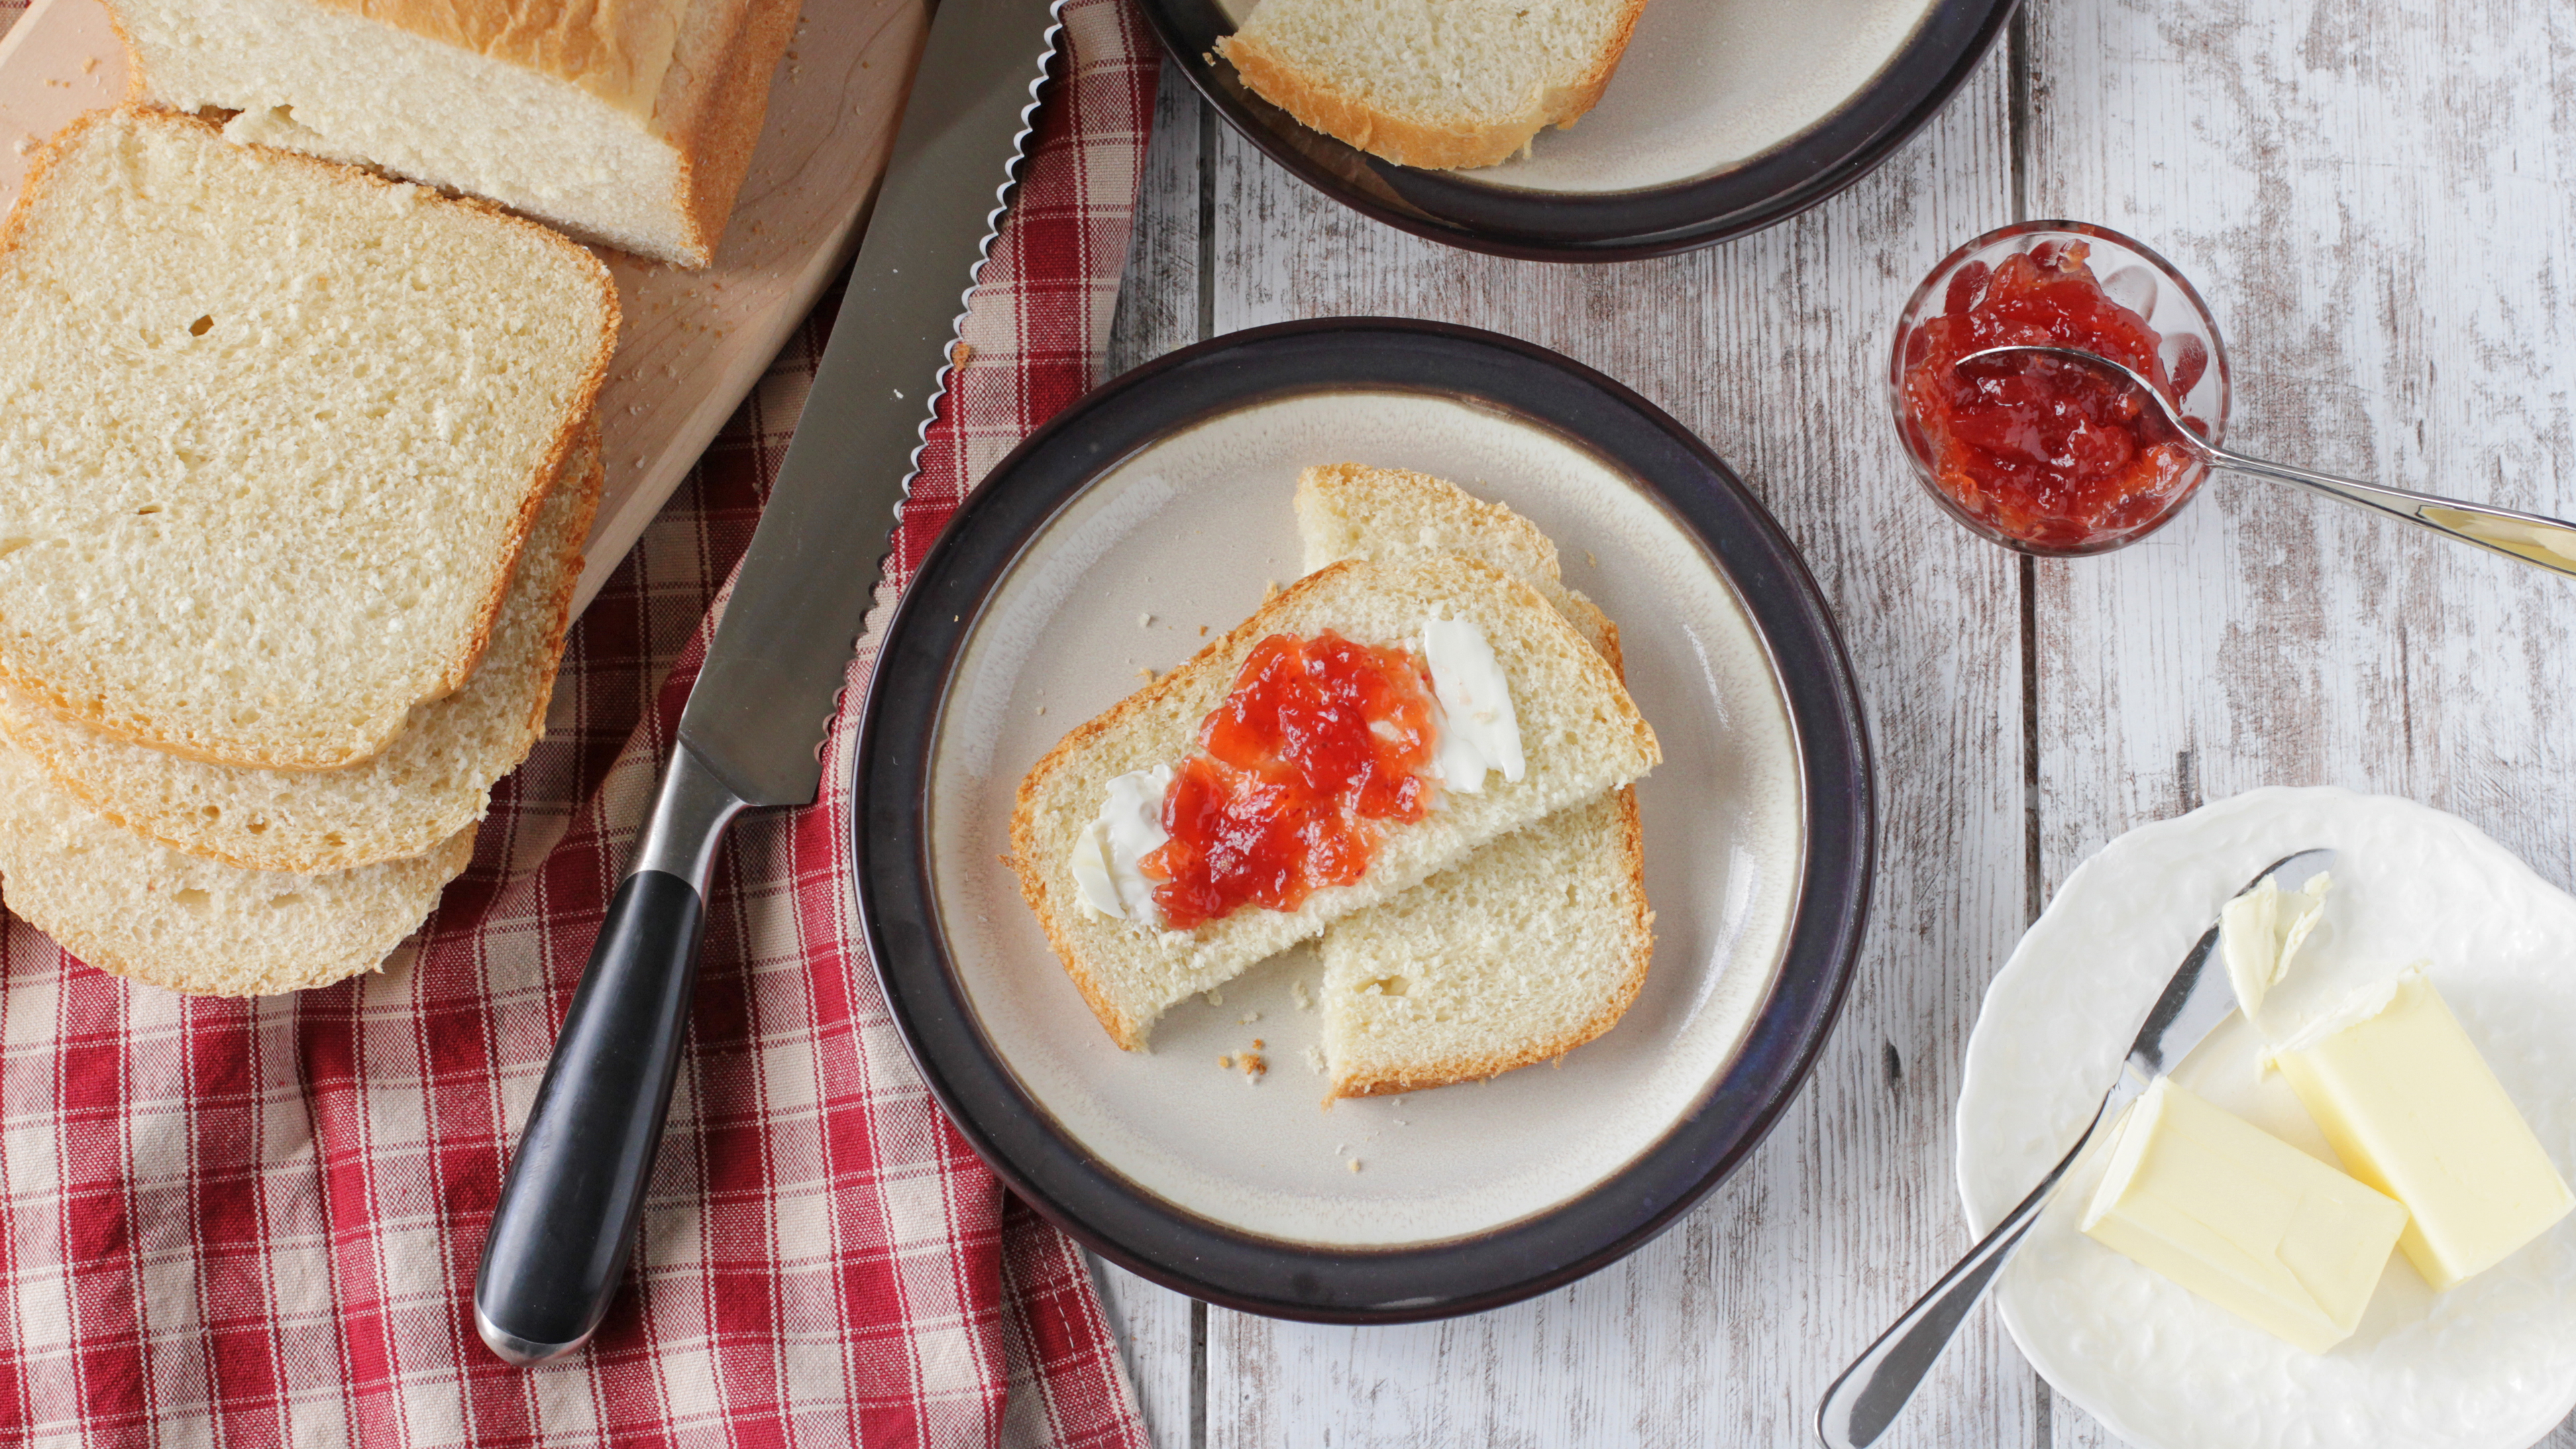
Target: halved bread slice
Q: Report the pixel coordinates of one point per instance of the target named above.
(434, 780)
(1580, 734)
(1452, 84)
(1535, 944)
(140, 910)
(275, 431)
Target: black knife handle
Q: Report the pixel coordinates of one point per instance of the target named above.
(566, 1221)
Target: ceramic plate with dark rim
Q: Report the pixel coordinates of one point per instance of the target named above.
(1154, 514)
(1724, 117)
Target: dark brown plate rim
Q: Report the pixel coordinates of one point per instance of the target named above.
(1760, 191)
(1014, 1133)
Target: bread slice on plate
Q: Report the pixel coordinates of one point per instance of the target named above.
(275, 431)
(1580, 734)
(630, 124)
(1444, 85)
(136, 908)
(434, 779)
(1533, 945)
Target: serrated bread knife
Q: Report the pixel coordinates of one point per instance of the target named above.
(751, 734)
(1866, 1399)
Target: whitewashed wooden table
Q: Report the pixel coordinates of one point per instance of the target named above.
(2378, 197)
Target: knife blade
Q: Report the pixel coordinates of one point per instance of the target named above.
(753, 727)
(1861, 1404)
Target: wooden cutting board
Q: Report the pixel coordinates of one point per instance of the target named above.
(693, 342)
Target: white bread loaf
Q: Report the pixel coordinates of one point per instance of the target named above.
(433, 781)
(626, 123)
(1580, 734)
(1445, 85)
(1533, 945)
(136, 908)
(275, 431)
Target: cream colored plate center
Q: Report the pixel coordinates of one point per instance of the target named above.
(1187, 534)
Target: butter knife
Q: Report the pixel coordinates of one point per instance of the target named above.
(1867, 1398)
(755, 721)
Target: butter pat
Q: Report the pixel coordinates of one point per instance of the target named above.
(2260, 931)
(1479, 731)
(2414, 1111)
(1108, 859)
(2243, 1219)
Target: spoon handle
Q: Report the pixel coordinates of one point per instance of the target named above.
(2544, 542)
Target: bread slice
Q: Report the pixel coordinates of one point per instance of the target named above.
(1535, 944)
(1451, 84)
(130, 906)
(275, 431)
(630, 124)
(434, 780)
(1581, 734)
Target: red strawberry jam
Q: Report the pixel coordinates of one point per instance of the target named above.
(1321, 741)
(2048, 452)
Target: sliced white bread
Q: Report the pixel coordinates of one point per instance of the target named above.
(1580, 734)
(134, 907)
(1532, 947)
(276, 429)
(1445, 84)
(434, 780)
(1535, 944)
(630, 124)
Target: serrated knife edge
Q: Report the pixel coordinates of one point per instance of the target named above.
(566, 1220)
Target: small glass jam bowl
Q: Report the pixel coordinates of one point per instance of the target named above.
(2131, 275)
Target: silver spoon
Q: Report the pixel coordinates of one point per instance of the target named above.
(2546, 542)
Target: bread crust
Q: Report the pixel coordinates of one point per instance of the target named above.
(1632, 979)
(697, 71)
(716, 131)
(460, 661)
(98, 949)
(1320, 105)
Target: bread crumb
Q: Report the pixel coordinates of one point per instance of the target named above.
(90, 66)
(1256, 1041)
(958, 353)
(1145, 674)
(1352, 1163)
(1203, 631)
(1041, 709)
(1213, 998)
(1589, 559)
(1254, 1065)
(1304, 1001)
(1247, 1019)
(1144, 621)
(1226, 1061)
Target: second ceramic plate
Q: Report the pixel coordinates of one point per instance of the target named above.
(1724, 117)
(1152, 516)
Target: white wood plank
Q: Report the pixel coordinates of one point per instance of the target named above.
(1158, 310)
(2380, 204)
(1726, 1330)
(1156, 1330)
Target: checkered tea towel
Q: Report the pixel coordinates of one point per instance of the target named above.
(257, 1222)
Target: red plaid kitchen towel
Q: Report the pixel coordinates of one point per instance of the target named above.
(257, 1222)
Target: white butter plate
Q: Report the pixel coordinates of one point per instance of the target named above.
(1152, 517)
(2490, 1364)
